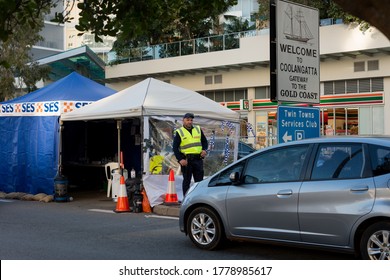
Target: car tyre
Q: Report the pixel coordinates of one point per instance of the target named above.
(205, 229)
(375, 242)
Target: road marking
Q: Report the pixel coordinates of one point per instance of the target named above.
(146, 216)
(161, 217)
(6, 200)
(102, 211)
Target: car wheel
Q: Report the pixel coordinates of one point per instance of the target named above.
(205, 229)
(375, 242)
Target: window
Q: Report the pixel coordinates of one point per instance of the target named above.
(229, 95)
(226, 95)
(380, 160)
(364, 85)
(210, 95)
(353, 86)
(377, 84)
(208, 80)
(328, 88)
(224, 177)
(218, 79)
(262, 92)
(239, 94)
(338, 162)
(339, 87)
(359, 66)
(279, 165)
(372, 65)
(219, 97)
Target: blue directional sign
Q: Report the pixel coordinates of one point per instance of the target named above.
(297, 123)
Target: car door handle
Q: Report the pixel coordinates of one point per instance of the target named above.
(285, 192)
(360, 189)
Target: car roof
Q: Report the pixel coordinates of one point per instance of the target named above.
(369, 139)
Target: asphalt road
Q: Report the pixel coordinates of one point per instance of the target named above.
(88, 229)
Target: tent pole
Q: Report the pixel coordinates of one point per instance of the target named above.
(60, 148)
(119, 127)
(145, 135)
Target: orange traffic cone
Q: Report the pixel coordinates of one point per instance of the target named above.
(122, 204)
(171, 195)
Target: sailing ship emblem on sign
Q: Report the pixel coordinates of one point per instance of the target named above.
(296, 28)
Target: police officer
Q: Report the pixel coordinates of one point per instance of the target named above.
(189, 146)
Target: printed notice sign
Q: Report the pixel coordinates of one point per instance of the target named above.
(298, 123)
(297, 53)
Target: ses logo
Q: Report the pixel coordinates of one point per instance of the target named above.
(38, 107)
(7, 108)
(48, 107)
(81, 104)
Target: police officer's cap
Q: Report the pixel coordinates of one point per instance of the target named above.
(188, 116)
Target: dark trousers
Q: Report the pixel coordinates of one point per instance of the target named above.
(194, 168)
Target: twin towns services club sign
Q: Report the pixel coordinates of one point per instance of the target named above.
(47, 108)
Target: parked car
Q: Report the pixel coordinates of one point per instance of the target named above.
(244, 149)
(322, 192)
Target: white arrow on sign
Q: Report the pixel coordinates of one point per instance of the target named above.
(287, 137)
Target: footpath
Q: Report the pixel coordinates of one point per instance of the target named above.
(89, 199)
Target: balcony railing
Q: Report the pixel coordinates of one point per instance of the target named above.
(194, 46)
(48, 44)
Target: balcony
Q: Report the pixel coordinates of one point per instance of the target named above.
(187, 47)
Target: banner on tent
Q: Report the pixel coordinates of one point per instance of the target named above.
(46, 108)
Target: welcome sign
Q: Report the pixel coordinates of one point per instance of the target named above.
(295, 57)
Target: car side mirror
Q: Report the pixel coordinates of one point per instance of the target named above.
(234, 178)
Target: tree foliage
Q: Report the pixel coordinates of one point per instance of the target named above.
(137, 23)
(263, 13)
(20, 32)
(326, 8)
(16, 52)
(16, 13)
(154, 20)
(374, 12)
(234, 24)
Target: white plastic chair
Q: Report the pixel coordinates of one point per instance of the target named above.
(108, 169)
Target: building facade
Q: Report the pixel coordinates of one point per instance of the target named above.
(54, 36)
(354, 81)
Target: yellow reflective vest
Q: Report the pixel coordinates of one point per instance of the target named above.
(190, 144)
(156, 164)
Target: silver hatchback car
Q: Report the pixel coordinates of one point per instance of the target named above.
(322, 192)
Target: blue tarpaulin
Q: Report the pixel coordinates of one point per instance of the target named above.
(29, 132)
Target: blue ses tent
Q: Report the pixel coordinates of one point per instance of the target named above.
(29, 132)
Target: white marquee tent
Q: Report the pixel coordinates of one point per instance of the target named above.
(153, 98)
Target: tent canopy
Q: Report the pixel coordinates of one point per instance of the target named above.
(72, 87)
(160, 101)
(29, 132)
(152, 97)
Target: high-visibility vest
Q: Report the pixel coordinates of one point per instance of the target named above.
(155, 164)
(190, 144)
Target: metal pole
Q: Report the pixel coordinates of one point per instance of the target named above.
(119, 127)
(60, 148)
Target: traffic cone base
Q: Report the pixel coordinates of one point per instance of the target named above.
(122, 204)
(171, 195)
